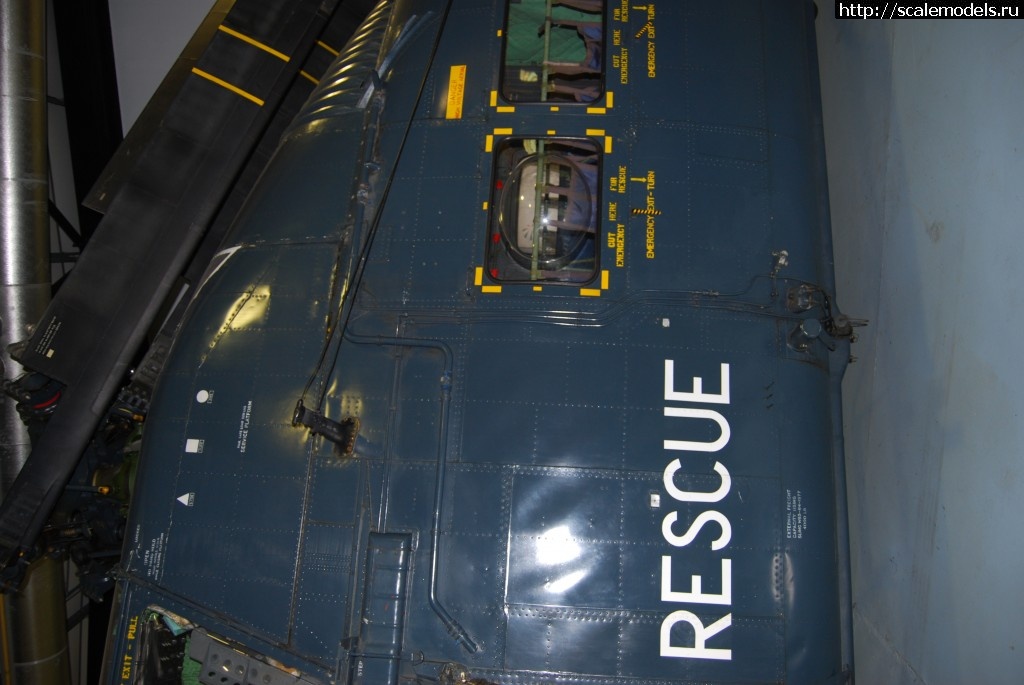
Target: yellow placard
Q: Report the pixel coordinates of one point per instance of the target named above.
(456, 91)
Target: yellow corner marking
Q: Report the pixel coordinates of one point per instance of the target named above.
(505, 110)
(478, 276)
(486, 205)
(494, 98)
(597, 110)
(502, 131)
(489, 144)
(491, 289)
(224, 84)
(328, 48)
(608, 144)
(499, 33)
(537, 288)
(309, 77)
(255, 43)
(554, 108)
(609, 99)
(604, 279)
(590, 292)
(551, 131)
(595, 131)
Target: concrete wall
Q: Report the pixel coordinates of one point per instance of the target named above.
(925, 142)
(148, 36)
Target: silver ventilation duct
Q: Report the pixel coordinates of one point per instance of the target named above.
(24, 220)
(37, 643)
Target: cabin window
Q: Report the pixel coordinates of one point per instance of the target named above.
(554, 51)
(543, 225)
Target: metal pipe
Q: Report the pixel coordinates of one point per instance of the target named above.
(24, 218)
(38, 641)
(453, 627)
(40, 633)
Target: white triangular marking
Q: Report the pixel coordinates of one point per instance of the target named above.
(187, 499)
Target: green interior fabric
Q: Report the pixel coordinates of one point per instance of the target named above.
(526, 48)
(190, 669)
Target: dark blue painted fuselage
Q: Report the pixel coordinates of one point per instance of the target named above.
(589, 426)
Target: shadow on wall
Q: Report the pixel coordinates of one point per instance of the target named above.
(926, 215)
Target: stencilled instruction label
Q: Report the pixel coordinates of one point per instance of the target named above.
(617, 238)
(43, 347)
(243, 427)
(643, 40)
(153, 557)
(650, 212)
(126, 665)
(620, 59)
(647, 31)
(796, 515)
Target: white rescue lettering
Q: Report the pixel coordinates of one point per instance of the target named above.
(696, 582)
(688, 496)
(692, 446)
(696, 594)
(701, 633)
(698, 394)
(691, 533)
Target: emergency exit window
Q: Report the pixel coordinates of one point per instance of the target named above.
(543, 224)
(554, 51)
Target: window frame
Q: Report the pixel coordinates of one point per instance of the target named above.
(504, 262)
(593, 86)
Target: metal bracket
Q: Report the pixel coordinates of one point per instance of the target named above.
(343, 433)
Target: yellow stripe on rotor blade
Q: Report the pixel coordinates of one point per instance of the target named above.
(224, 84)
(255, 43)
